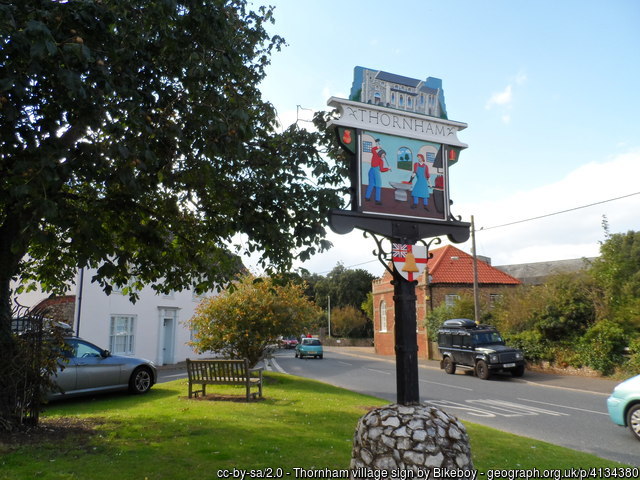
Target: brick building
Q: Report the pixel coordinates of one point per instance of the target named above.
(448, 276)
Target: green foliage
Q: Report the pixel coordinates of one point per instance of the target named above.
(602, 346)
(535, 347)
(568, 308)
(633, 365)
(134, 140)
(617, 268)
(344, 286)
(347, 321)
(367, 306)
(241, 321)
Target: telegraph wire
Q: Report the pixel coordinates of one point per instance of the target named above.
(482, 229)
(558, 213)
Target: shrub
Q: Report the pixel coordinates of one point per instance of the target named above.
(533, 344)
(633, 364)
(602, 346)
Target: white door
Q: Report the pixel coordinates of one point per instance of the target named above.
(168, 317)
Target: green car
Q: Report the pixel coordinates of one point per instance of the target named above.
(309, 347)
(624, 405)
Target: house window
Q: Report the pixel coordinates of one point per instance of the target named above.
(383, 316)
(121, 340)
(494, 298)
(450, 300)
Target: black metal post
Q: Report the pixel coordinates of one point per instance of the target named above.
(404, 299)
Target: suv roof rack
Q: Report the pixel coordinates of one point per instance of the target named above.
(459, 323)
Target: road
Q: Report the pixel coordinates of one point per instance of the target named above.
(555, 409)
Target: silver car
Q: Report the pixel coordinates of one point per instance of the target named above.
(89, 369)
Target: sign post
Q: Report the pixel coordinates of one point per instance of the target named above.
(401, 146)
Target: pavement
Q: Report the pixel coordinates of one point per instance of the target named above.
(599, 385)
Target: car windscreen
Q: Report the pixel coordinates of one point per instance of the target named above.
(311, 342)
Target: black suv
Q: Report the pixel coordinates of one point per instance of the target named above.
(464, 344)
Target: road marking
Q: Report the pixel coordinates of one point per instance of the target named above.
(345, 363)
(378, 371)
(447, 385)
(272, 363)
(564, 406)
(489, 408)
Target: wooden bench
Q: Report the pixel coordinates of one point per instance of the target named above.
(223, 372)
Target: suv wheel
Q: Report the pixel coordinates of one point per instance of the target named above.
(482, 371)
(448, 365)
(633, 420)
(518, 371)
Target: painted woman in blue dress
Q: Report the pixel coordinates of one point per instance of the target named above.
(421, 190)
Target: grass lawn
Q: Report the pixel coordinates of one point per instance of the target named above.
(165, 436)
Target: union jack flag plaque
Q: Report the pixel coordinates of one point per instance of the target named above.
(409, 260)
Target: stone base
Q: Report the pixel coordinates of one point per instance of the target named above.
(410, 437)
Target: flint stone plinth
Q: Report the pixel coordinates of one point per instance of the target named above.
(410, 437)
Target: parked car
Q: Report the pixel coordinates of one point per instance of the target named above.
(289, 342)
(463, 343)
(309, 347)
(87, 369)
(624, 405)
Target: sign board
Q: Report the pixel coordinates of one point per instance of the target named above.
(402, 145)
(403, 159)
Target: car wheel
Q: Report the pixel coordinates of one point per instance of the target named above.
(633, 420)
(518, 371)
(296, 354)
(482, 371)
(320, 356)
(140, 381)
(448, 365)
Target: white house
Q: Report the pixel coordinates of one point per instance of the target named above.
(154, 327)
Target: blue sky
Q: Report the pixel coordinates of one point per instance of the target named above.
(549, 90)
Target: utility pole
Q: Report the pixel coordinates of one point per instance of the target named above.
(476, 299)
(329, 313)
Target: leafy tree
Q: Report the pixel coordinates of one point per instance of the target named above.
(243, 320)
(134, 140)
(347, 321)
(568, 308)
(367, 306)
(345, 287)
(617, 271)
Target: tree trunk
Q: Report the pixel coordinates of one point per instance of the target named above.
(9, 260)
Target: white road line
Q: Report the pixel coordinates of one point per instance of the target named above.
(272, 363)
(379, 371)
(447, 385)
(345, 363)
(564, 406)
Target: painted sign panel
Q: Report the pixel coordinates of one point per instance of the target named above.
(402, 176)
(409, 260)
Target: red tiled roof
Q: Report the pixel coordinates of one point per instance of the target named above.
(451, 265)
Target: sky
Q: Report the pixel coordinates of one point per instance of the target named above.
(549, 91)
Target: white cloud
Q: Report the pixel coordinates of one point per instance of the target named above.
(572, 234)
(501, 98)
